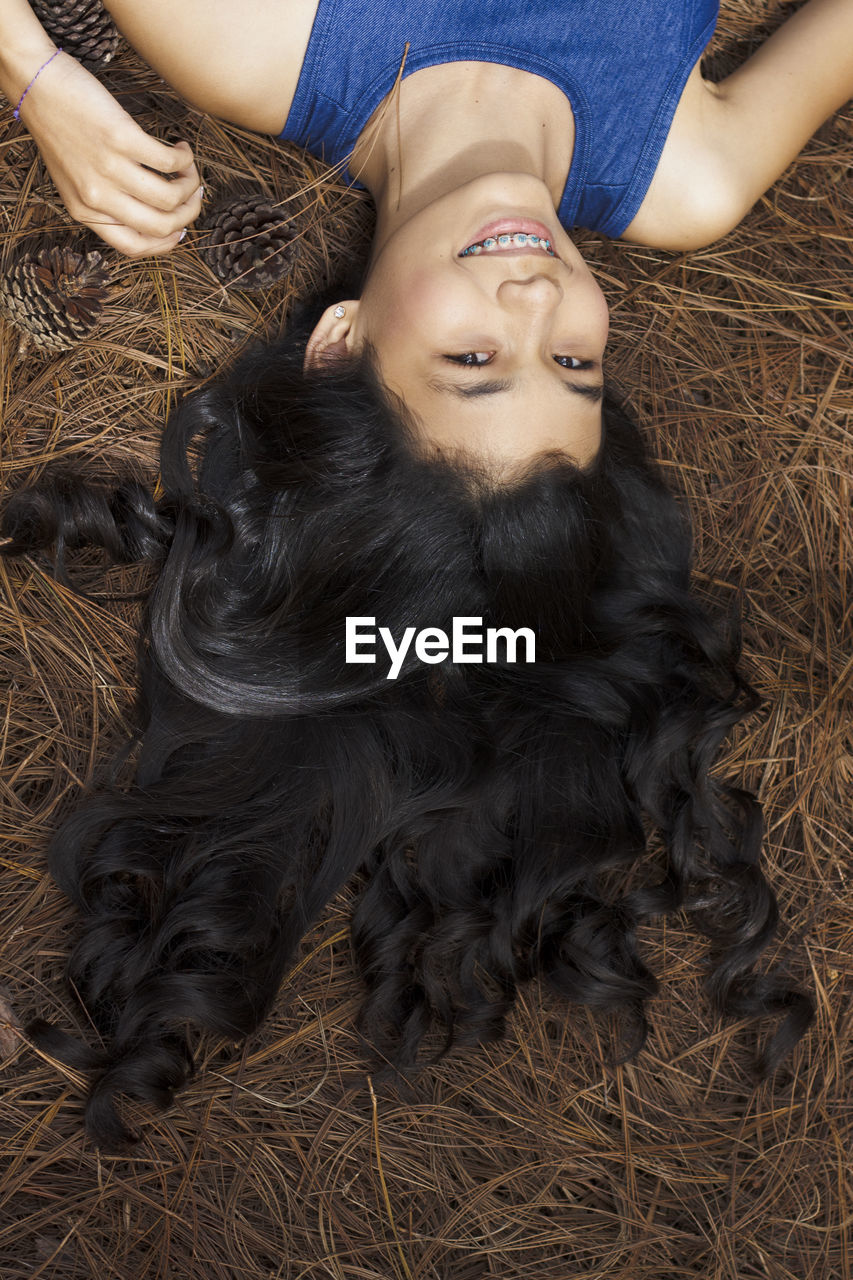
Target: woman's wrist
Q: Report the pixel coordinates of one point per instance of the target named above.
(25, 47)
(17, 112)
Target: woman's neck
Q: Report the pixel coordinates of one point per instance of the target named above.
(448, 125)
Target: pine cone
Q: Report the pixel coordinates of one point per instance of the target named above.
(82, 28)
(250, 243)
(56, 296)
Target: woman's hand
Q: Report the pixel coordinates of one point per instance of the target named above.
(138, 194)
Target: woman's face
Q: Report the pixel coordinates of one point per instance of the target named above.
(497, 351)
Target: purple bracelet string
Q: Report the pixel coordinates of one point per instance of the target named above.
(17, 112)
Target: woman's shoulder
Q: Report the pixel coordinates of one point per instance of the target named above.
(692, 199)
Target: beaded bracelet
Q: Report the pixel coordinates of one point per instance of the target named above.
(17, 112)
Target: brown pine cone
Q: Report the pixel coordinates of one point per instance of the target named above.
(55, 296)
(250, 244)
(82, 28)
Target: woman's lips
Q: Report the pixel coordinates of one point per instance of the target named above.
(513, 226)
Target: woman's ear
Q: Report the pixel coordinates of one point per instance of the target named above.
(333, 338)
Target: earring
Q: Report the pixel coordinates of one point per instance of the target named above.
(340, 311)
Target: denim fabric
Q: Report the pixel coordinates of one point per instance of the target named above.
(621, 63)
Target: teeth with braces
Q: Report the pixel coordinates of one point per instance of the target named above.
(517, 241)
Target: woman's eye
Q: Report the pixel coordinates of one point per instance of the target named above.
(472, 358)
(476, 360)
(572, 362)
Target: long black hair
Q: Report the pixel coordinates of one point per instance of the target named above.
(482, 802)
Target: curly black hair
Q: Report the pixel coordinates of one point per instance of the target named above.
(481, 802)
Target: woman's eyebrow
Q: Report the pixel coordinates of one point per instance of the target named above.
(468, 392)
(595, 393)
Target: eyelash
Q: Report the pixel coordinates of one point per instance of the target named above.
(469, 360)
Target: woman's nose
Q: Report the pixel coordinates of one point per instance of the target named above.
(536, 292)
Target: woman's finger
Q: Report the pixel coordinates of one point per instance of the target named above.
(131, 242)
(159, 156)
(156, 191)
(154, 225)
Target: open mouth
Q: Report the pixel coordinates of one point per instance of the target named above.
(511, 234)
(509, 241)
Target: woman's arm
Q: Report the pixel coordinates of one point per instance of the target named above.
(730, 141)
(108, 172)
(241, 66)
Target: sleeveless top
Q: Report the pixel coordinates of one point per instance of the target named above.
(622, 64)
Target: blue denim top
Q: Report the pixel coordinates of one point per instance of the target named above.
(622, 64)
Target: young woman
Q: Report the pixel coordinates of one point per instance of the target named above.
(460, 123)
(432, 450)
